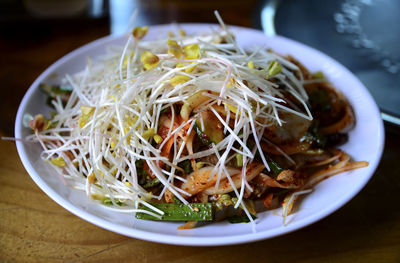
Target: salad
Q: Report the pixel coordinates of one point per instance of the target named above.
(194, 128)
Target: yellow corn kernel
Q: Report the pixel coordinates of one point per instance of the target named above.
(114, 172)
(230, 107)
(149, 133)
(97, 197)
(113, 142)
(190, 69)
(59, 161)
(250, 64)
(128, 184)
(199, 165)
(180, 79)
(148, 195)
(92, 178)
(157, 138)
(191, 51)
(140, 32)
(87, 110)
(149, 60)
(192, 102)
(174, 48)
(230, 82)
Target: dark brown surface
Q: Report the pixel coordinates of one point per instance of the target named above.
(33, 228)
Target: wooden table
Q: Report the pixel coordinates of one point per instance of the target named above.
(33, 228)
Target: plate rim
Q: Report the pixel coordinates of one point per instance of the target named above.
(177, 239)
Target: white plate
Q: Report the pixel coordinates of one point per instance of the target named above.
(365, 143)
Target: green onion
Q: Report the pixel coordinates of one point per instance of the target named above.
(203, 137)
(275, 168)
(186, 166)
(239, 160)
(151, 183)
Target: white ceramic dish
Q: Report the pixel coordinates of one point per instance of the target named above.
(365, 143)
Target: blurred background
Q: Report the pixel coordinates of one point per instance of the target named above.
(361, 34)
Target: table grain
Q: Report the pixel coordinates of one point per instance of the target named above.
(33, 228)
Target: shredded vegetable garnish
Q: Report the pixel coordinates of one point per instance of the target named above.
(194, 120)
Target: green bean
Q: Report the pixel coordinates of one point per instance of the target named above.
(179, 212)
